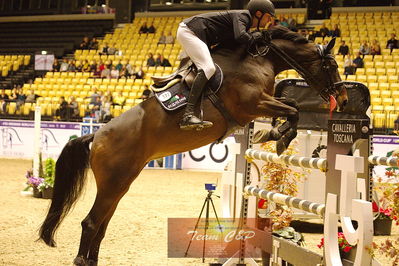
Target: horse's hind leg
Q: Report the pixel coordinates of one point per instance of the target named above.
(96, 242)
(91, 225)
(112, 185)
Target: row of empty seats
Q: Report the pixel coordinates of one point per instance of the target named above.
(10, 63)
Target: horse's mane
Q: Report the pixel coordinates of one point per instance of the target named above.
(276, 32)
(281, 32)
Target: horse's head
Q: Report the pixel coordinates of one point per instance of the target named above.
(326, 78)
(316, 64)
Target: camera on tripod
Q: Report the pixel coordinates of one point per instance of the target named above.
(210, 186)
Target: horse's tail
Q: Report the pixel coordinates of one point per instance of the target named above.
(70, 176)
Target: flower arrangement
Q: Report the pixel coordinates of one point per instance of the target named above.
(383, 214)
(46, 177)
(344, 246)
(33, 181)
(388, 209)
(283, 179)
(49, 174)
(388, 190)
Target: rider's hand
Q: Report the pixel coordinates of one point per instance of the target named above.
(257, 35)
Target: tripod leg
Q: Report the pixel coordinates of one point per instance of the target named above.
(196, 226)
(206, 227)
(216, 215)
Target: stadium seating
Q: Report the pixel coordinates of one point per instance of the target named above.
(380, 73)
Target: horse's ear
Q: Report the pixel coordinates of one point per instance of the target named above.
(330, 44)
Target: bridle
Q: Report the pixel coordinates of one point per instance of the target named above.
(332, 88)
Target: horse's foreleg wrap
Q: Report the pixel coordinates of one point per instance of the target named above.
(284, 127)
(275, 134)
(283, 143)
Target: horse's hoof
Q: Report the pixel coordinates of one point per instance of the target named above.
(280, 147)
(80, 261)
(261, 136)
(92, 262)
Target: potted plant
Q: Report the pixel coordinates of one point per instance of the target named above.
(388, 210)
(34, 183)
(344, 247)
(383, 222)
(46, 187)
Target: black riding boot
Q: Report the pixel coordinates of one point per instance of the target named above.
(189, 120)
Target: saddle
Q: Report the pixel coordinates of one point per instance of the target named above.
(172, 91)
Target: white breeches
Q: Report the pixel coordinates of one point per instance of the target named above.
(196, 49)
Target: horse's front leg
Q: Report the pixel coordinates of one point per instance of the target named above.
(285, 132)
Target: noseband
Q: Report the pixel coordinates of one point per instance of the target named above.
(332, 89)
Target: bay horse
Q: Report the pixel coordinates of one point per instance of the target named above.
(122, 147)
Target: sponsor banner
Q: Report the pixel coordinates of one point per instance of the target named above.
(17, 138)
(210, 157)
(383, 146)
(217, 238)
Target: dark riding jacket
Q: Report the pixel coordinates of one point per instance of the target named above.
(219, 27)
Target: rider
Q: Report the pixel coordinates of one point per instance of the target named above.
(196, 34)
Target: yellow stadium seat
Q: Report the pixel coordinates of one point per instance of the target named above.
(368, 65)
(391, 72)
(382, 78)
(379, 120)
(375, 93)
(377, 58)
(368, 58)
(360, 71)
(391, 119)
(370, 71)
(383, 86)
(393, 79)
(380, 71)
(371, 78)
(389, 108)
(12, 108)
(376, 101)
(379, 64)
(361, 78)
(394, 86)
(103, 87)
(387, 101)
(349, 77)
(377, 108)
(385, 94)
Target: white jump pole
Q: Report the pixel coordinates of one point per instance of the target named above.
(380, 160)
(37, 142)
(306, 162)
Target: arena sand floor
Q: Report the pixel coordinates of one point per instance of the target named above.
(137, 233)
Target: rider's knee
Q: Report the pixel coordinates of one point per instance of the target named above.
(210, 71)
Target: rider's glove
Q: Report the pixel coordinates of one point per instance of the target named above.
(256, 36)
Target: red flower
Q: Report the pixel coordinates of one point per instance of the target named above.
(389, 173)
(375, 207)
(388, 212)
(347, 248)
(261, 204)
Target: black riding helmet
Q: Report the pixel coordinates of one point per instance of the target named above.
(264, 6)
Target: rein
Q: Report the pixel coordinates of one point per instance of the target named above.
(325, 93)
